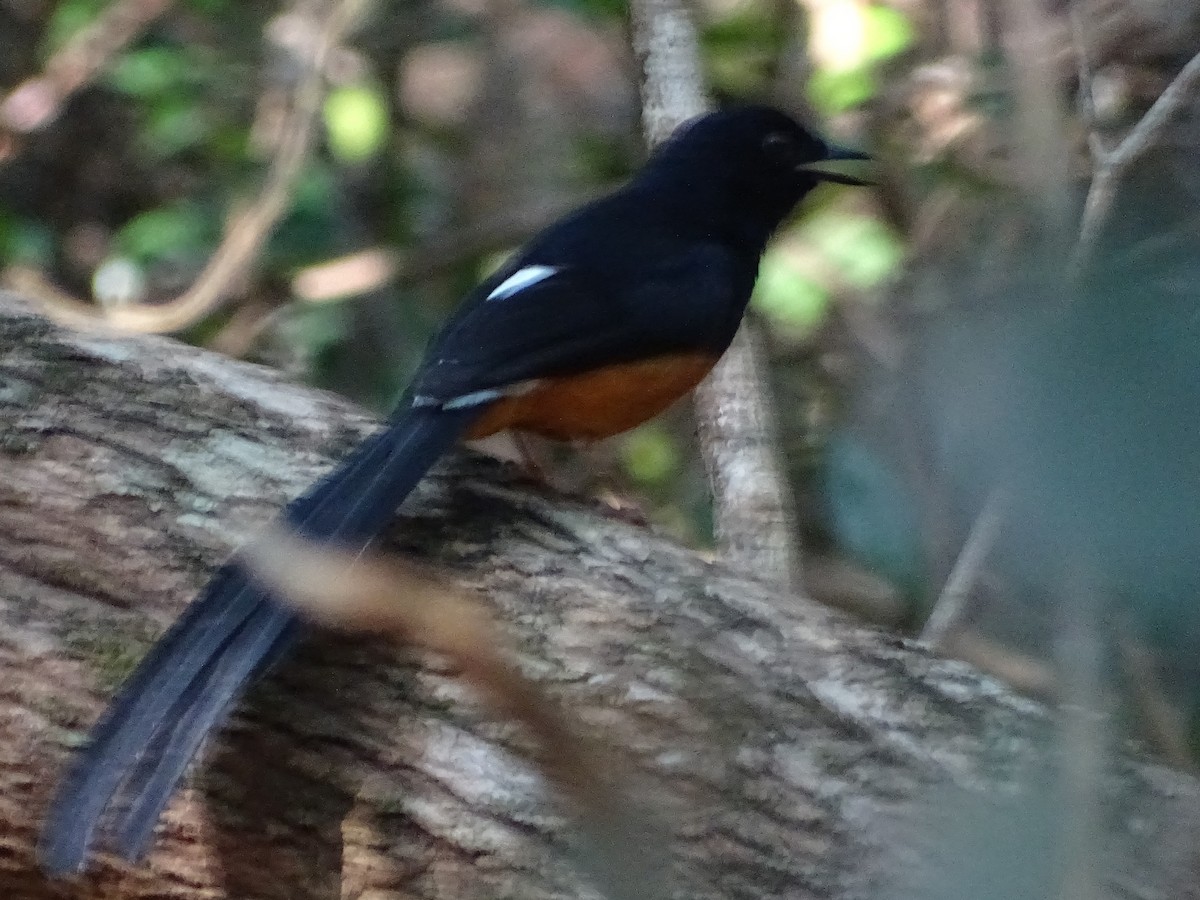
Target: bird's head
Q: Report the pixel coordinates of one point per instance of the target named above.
(750, 161)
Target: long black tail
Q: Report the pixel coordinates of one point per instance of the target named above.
(232, 632)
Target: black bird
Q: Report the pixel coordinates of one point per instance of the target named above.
(601, 321)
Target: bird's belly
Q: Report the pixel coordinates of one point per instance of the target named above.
(598, 403)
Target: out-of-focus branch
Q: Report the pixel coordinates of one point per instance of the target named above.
(247, 229)
(753, 517)
(752, 510)
(1163, 724)
(413, 605)
(37, 102)
(951, 605)
(370, 269)
(1111, 164)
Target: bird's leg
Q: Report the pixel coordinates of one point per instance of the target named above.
(602, 484)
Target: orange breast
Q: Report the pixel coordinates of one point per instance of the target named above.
(599, 403)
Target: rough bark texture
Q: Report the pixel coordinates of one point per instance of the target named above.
(789, 752)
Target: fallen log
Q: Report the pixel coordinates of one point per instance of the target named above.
(784, 750)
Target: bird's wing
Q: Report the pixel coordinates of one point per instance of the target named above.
(544, 319)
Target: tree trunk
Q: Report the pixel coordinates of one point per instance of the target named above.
(788, 752)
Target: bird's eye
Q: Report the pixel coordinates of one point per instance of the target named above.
(779, 148)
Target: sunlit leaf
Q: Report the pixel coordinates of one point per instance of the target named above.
(862, 249)
(836, 91)
(848, 41)
(886, 31)
(356, 122)
(789, 296)
(650, 455)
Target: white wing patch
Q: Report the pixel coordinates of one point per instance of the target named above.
(475, 398)
(521, 279)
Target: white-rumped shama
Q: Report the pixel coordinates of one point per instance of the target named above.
(602, 320)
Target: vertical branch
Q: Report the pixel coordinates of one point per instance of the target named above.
(752, 511)
(1085, 729)
(668, 50)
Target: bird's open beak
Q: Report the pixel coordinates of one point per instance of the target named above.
(835, 153)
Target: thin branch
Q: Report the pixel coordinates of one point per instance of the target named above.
(248, 230)
(37, 102)
(752, 511)
(951, 604)
(1164, 724)
(1111, 165)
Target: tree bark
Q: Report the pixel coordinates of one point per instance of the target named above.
(754, 520)
(787, 751)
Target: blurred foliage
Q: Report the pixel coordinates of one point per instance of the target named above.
(202, 89)
(743, 46)
(867, 35)
(450, 131)
(66, 20)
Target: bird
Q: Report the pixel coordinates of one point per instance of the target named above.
(601, 321)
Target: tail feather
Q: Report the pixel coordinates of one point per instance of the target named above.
(269, 631)
(230, 633)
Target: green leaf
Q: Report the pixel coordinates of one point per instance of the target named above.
(592, 9)
(317, 327)
(26, 242)
(834, 92)
(740, 47)
(303, 235)
(208, 7)
(175, 123)
(166, 232)
(787, 295)
(650, 455)
(862, 249)
(149, 72)
(886, 32)
(68, 19)
(356, 122)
